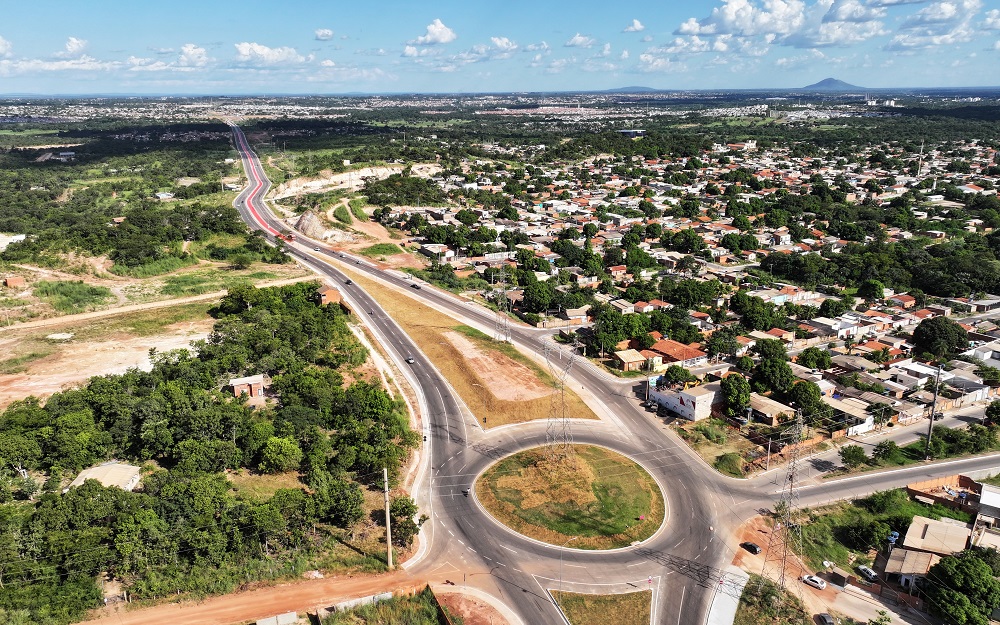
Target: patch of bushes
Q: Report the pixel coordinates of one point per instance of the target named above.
(71, 297)
(730, 464)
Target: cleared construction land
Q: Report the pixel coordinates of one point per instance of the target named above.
(588, 498)
(497, 382)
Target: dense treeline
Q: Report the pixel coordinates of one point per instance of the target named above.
(124, 167)
(402, 189)
(186, 530)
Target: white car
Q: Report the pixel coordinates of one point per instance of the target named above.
(814, 581)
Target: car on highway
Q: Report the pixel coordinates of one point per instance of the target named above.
(348, 281)
(753, 548)
(868, 573)
(938, 416)
(409, 359)
(357, 262)
(415, 286)
(315, 249)
(814, 581)
(825, 619)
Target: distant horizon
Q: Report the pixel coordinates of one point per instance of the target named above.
(640, 89)
(309, 47)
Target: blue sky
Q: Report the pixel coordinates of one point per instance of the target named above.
(297, 46)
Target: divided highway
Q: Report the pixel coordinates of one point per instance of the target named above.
(682, 563)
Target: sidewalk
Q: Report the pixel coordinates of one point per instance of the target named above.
(726, 597)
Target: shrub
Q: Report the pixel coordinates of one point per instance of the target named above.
(730, 464)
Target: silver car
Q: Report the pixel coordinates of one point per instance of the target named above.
(814, 581)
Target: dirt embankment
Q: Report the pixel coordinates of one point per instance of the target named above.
(351, 180)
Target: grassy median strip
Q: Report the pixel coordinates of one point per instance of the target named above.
(633, 608)
(432, 331)
(591, 497)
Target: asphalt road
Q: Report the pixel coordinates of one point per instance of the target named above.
(681, 563)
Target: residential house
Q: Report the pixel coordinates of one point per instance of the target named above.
(119, 474)
(944, 538)
(766, 410)
(252, 385)
(674, 352)
(630, 360)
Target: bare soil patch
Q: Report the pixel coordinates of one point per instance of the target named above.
(428, 327)
(50, 365)
(473, 611)
(505, 378)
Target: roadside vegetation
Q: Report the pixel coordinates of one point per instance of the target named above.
(189, 530)
(847, 533)
(587, 498)
(946, 442)
(419, 609)
(381, 249)
(633, 608)
(71, 297)
(763, 601)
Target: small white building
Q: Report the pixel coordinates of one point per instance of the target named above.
(693, 404)
(124, 476)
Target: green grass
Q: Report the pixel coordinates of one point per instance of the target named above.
(729, 464)
(763, 601)
(633, 608)
(593, 496)
(420, 609)
(154, 268)
(200, 282)
(342, 215)
(358, 209)
(147, 323)
(71, 297)
(381, 249)
(19, 364)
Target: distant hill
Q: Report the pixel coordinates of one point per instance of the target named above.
(631, 90)
(831, 84)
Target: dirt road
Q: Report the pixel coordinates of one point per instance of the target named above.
(261, 603)
(56, 321)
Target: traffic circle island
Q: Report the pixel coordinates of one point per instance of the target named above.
(578, 496)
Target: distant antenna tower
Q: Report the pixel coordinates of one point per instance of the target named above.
(786, 535)
(501, 327)
(558, 434)
(920, 161)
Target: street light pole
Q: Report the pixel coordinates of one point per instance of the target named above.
(930, 422)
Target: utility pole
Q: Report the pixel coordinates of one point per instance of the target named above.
(388, 529)
(930, 422)
(786, 536)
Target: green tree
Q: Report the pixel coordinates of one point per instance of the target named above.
(886, 451)
(466, 217)
(940, 336)
(992, 413)
(773, 374)
(963, 589)
(871, 290)
(814, 358)
(402, 511)
(771, 349)
(853, 456)
(736, 392)
(280, 455)
(676, 374)
(865, 533)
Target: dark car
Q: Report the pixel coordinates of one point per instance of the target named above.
(415, 285)
(348, 281)
(938, 416)
(753, 548)
(825, 619)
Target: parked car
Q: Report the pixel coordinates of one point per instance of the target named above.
(825, 619)
(868, 573)
(814, 581)
(753, 548)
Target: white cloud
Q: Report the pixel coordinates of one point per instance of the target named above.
(323, 34)
(647, 39)
(937, 24)
(635, 27)
(996, 45)
(537, 47)
(5, 48)
(990, 22)
(558, 65)
(580, 41)
(82, 64)
(852, 11)
(193, 56)
(74, 48)
(259, 54)
(651, 62)
(414, 52)
(327, 63)
(892, 3)
(624, 55)
(803, 60)
(503, 43)
(746, 18)
(605, 50)
(437, 33)
(140, 64)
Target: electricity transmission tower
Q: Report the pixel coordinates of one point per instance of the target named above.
(558, 435)
(786, 535)
(501, 323)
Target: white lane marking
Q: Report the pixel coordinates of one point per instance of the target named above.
(681, 606)
(450, 534)
(508, 548)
